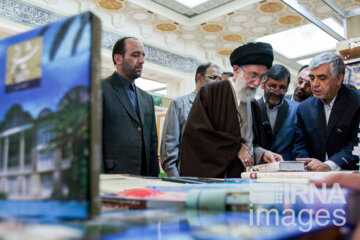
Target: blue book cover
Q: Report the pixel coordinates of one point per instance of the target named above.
(50, 120)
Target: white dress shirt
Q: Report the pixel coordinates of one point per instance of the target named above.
(272, 113)
(327, 108)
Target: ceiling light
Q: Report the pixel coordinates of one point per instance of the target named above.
(191, 3)
(304, 40)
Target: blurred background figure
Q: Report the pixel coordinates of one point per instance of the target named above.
(176, 118)
(302, 88)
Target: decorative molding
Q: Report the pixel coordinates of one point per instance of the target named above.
(170, 39)
(146, 30)
(50, 1)
(210, 55)
(271, 7)
(27, 14)
(117, 20)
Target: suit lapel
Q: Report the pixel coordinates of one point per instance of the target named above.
(336, 111)
(281, 116)
(140, 101)
(264, 116)
(265, 124)
(122, 96)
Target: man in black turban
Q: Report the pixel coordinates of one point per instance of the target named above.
(223, 133)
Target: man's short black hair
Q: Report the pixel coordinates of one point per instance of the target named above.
(202, 69)
(278, 72)
(119, 47)
(302, 67)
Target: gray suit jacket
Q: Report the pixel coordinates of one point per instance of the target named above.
(126, 138)
(173, 130)
(281, 138)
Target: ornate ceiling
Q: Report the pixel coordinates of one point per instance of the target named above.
(222, 25)
(177, 38)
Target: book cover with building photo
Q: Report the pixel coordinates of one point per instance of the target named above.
(50, 120)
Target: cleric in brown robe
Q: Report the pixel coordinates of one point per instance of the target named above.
(223, 133)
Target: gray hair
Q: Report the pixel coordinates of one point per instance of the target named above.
(336, 63)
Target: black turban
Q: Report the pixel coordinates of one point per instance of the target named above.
(258, 53)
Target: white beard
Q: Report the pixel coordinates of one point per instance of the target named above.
(243, 92)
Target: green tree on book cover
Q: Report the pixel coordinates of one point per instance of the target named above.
(71, 130)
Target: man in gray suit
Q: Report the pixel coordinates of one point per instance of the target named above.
(176, 117)
(129, 128)
(278, 114)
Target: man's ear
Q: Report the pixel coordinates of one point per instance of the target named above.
(118, 59)
(236, 68)
(340, 79)
(198, 77)
(262, 85)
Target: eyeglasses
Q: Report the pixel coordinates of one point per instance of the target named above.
(273, 89)
(253, 76)
(213, 77)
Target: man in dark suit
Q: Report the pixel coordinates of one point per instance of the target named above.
(129, 128)
(277, 113)
(328, 122)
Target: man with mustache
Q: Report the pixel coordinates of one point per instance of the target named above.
(302, 88)
(278, 114)
(328, 122)
(129, 128)
(223, 133)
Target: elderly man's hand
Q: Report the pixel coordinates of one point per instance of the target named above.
(271, 157)
(245, 156)
(314, 164)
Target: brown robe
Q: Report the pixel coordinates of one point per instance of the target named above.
(212, 138)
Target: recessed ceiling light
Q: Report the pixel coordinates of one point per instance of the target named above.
(191, 3)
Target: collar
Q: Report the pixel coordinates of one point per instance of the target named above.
(192, 96)
(125, 82)
(331, 103)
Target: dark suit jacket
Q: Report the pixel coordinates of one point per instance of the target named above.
(281, 138)
(314, 139)
(125, 136)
